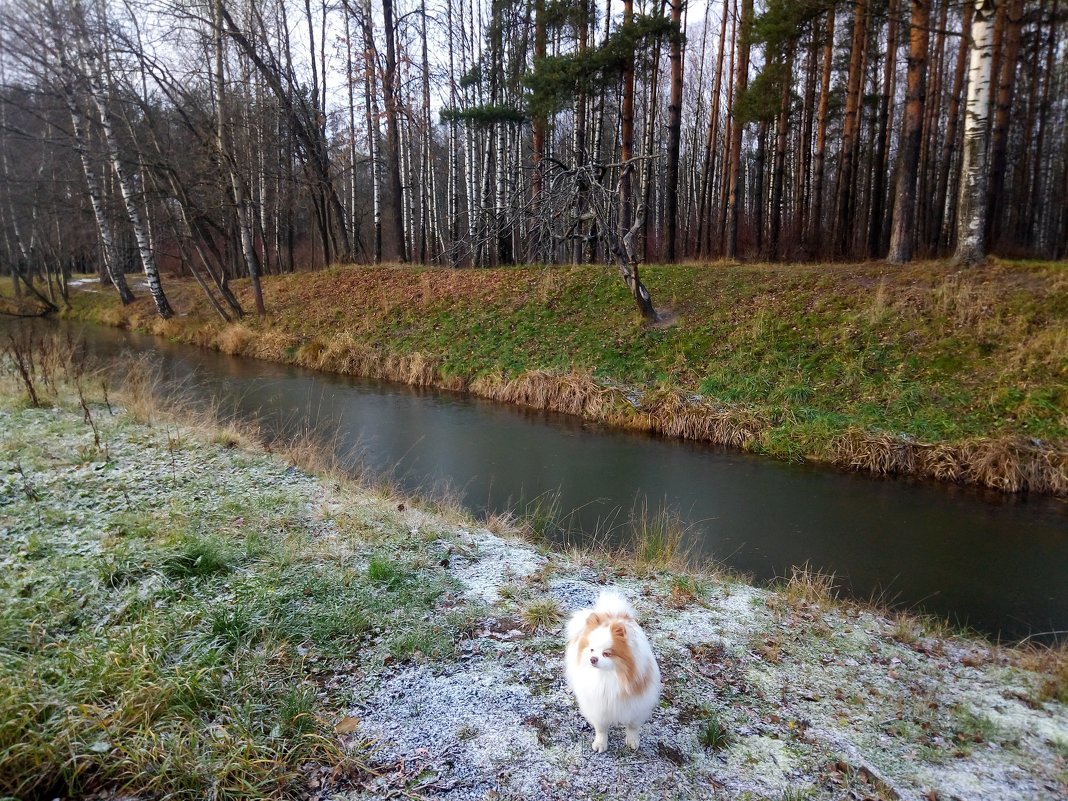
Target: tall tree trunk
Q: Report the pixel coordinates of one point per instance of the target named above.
(625, 248)
(626, 145)
(728, 138)
(693, 163)
(597, 150)
(1041, 167)
(814, 232)
(803, 169)
(452, 202)
(350, 86)
(389, 93)
(741, 81)
(96, 195)
(883, 129)
(580, 146)
(472, 155)
(1018, 205)
(903, 231)
(428, 184)
(759, 203)
(370, 57)
(537, 144)
(649, 147)
(950, 144)
(671, 187)
(846, 191)
(226, 161)
(778, 179)
(408, 183)
(93, 66)
(1006, 86)
(923, 238)
(70, 80)
(704, 212)
(972, 208)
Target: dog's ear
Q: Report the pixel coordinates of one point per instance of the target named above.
(594, 620)
(619, 630)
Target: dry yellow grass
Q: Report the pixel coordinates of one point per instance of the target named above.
(233, 339)
(674, 415)
(568, 393)
(809, 586)
(1010, 465)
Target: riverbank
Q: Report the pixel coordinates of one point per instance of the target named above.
(184, 613)
(918, 370)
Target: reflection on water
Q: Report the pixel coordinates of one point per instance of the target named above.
(996, 563)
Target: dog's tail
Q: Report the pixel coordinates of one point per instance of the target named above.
(611, 602)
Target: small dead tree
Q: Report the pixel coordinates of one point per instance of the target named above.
(595, 193)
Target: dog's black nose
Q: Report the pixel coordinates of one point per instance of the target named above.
(593, 660)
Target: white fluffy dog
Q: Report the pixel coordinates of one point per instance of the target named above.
(611, 669)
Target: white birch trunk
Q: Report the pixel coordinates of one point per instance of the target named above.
(126, 185)
(226, 161)
(501, 164)
(371, 112)
(404, 133)
(974, 174)
(452, 190)
(79, 121)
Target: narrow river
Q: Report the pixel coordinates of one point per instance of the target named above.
(998, 564)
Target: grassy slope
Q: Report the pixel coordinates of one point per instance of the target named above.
(180, 617)
(811, 350)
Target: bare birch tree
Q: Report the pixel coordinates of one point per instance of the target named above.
(971, 210)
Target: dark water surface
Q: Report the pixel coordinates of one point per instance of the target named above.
(999, 564)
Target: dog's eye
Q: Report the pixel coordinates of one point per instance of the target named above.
(607, 653)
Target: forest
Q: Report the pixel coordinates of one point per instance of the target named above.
(238, 138)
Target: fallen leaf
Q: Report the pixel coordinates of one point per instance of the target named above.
(347, 725)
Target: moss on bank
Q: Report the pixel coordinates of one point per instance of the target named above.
(917, 370)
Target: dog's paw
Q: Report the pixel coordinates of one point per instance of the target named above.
(633, 738)
(600, 743)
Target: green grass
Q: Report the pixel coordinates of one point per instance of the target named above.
(383, 571)
(657, 537)
(713, 735)
(542, 615)
(179, 647)
(198, 556)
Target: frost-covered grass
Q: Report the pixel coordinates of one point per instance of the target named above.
(782, 693)
(175, 615)
(182, 617)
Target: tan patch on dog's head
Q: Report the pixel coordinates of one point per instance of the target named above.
(632, 682)
(592, 622)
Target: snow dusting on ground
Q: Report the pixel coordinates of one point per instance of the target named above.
(766, 695)
(816, 702)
